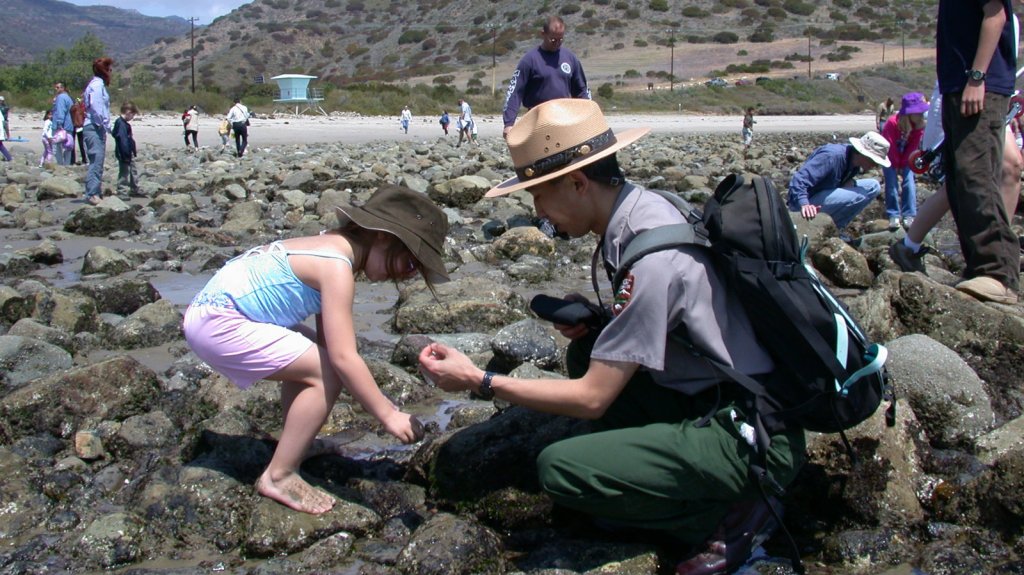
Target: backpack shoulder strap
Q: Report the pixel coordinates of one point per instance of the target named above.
(663, 237)
(655, 240)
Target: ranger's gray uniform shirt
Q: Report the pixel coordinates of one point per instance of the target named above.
(664, 289)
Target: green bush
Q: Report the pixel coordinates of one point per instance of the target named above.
(799, 7)
(639, 43)
(631, 73)
(569, 9)
(725, 38)
(695, 12)
(658, 5)
(605, 91)
(412, 36)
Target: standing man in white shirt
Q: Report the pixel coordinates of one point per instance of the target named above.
(238, 115)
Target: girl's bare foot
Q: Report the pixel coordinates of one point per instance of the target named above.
(293, 491)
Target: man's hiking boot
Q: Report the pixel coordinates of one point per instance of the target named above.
(745, 527)
(987, 289)
(906, 258)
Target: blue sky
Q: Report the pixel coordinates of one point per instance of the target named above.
(204, 10)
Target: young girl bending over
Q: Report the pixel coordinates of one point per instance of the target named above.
(246, 323)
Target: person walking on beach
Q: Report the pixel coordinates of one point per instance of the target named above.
(224, 130)
(405, 118)
(97, 126)
(247, 323)
(445, 120)
(748, 127)
(546, 72)
(191, 122)
(125, 151)
(4, 133)
(238, 116)
(465, 122)
(672, 425)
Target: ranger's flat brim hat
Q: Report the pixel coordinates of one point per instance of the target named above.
(558, 137)
(412, 217)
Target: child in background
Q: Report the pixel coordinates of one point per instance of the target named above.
(748, 127)
(903, 130)
(247, 323)
(47, 137)
(125, 152)
(445, 120)
(224, 131)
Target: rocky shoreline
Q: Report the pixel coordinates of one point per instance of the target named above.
(121, 452)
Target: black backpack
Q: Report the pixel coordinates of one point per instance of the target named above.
(828, 376)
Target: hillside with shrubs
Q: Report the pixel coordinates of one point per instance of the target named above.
(357, 41)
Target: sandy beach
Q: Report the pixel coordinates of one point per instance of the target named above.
(164, 129)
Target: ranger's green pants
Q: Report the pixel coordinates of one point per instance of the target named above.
(649, 466)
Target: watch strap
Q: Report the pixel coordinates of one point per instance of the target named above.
(486, 391)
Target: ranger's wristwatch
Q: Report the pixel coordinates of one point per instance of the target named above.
(976, 75)
(486, 392)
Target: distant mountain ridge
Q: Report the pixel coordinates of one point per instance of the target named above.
(33, 27)
(346, 41)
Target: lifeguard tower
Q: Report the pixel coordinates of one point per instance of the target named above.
(293, 89)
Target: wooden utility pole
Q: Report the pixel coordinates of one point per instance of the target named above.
(192, 50)
(671, 59)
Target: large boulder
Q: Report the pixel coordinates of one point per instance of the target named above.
(470, 304)
(23, 359)
(152, 324)
(60, 404)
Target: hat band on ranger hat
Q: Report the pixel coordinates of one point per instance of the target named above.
(554, 162)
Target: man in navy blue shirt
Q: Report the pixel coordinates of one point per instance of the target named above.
(827, 181)
(547, 72)
(977, 60)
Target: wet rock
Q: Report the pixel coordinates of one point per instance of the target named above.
(13, 305)
(24, 359)
(522, 241)
(103, 260)
(58, 187)
(152, 324)
(461, 192)
(471, 304)
(858, 548)
(946, 395)
(114, 389)
(46, 253)
(274, 529)
(25, 507)
(999, 442)
(88, 445)
(451, 545)
(881, 490)
(843, 265)
(28, 327)
(65, 309)
(111, 540)
(99, 221)
(16, 265)
(525, 341)
(146, 432)
(495, 454)
(121, 295)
